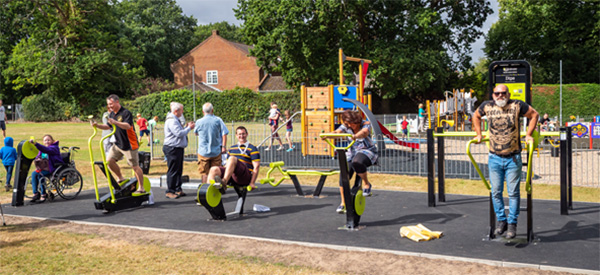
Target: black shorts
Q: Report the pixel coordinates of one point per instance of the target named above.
(142, 132)
(3, 125)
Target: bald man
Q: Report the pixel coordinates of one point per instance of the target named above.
(504, 162)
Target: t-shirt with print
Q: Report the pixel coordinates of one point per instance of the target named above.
(125, 139)
(504, 126)
(246, 153)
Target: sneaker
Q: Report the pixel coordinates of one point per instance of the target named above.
(8, 188)
(341, 209)
(280, 148)
(512, 231)
(289, 150)
(367, 192)
(500, 228)
(181, 194)
(220, 185)
(35, 198)
(171, 196)
(268, 148)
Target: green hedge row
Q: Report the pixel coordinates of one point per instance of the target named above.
(578, 99)
(239, 104)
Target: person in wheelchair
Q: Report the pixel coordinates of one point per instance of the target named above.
(46, 162)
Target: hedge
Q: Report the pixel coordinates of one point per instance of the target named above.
(578, 99)
(239, 104)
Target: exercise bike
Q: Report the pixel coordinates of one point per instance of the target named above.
(121, 195)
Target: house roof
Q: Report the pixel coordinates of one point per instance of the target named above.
(200, 87)
(272, 83)
(215, 35)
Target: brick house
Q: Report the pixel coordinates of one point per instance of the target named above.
(220, 64)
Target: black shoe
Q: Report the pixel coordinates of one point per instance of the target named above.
(8, 188)
(43, 198)
(500, 228)
(36, 197)
(512, 231)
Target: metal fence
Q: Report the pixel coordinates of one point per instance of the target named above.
(397, 159)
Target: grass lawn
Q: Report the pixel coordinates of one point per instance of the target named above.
(42, 250)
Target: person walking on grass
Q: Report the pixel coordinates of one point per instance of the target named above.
(504, 161)
(8, 154)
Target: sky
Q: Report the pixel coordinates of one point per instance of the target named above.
(213, 11)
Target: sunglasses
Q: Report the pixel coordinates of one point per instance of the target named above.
(500, 93)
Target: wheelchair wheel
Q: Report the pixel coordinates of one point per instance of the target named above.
(43, 180)
(68, 183)
(28, 192)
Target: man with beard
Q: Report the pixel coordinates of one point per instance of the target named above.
(504, 161)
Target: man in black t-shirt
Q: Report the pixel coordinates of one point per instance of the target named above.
(126, 144)
(504, 161)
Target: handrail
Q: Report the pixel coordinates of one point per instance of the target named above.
(487, 185)
(472, 134)
(327, 136)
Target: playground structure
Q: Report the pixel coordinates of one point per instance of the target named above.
(322, 107)
(456, 110)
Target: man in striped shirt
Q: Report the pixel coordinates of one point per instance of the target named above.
(242, 165)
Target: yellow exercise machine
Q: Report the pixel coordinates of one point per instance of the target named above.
(293, 173)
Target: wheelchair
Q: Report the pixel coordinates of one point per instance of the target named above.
(65, 181)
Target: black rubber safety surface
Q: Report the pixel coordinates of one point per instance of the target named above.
(571, 241)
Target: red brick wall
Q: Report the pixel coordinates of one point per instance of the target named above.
(216, 54)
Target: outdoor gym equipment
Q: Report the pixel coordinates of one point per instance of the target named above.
(210, 197)
(293, 175)
(530, 148)
(353, 197)
(65, 181)
(121, 195)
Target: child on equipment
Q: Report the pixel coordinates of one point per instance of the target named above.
(289, 128)
(361, 155)
(274, 116)
(8, 154)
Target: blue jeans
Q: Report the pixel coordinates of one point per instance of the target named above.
(9, 169)
(35, 179)
(509, 169)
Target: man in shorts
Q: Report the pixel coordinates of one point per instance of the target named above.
(126, 144)
(212, 140)
(3, 119)
(242, 165)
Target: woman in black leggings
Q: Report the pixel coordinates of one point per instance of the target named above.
(361, 155)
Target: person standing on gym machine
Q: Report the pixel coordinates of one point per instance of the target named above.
(126, 144)
(361, 155)
(504, 161)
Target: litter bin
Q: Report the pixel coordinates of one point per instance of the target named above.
(144, 161)
(555, 152)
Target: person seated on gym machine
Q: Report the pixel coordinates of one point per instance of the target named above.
(361, 155)
(46, 162)
(241, 168)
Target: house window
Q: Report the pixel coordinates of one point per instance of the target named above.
(212, 77)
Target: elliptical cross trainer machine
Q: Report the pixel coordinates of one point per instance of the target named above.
(121, 195)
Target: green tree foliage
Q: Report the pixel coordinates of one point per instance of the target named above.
(159, 30)
(544, 32)
(415, 45)
(74, 51)
(228, 31)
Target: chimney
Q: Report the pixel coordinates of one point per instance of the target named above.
(215, 32)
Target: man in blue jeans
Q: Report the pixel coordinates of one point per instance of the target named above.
(504, 161)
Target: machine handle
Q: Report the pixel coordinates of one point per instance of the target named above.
(487, 185)
(327, 136)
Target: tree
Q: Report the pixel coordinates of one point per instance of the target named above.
(545, 32)
(73, 52)
(228, 31)
(414, 45)
(159, 30)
